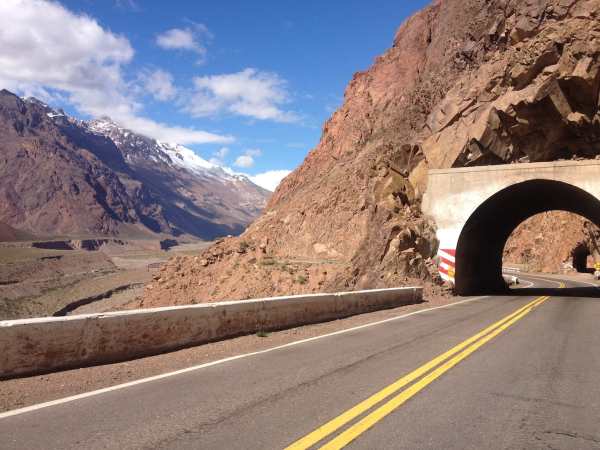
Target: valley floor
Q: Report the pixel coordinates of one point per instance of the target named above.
(38, 282)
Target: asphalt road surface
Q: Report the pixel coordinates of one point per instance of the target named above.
(512, 372)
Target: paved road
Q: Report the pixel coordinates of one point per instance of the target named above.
(513, 372)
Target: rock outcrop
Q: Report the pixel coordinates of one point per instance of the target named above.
(536, 101)
(466, 82)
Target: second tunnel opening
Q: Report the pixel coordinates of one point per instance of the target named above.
(481, 245)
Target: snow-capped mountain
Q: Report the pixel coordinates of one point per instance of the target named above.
(151, 155)
(135, 145)
(96, 177)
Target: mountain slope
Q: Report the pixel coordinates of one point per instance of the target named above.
(8, 233)
(61, 176)
(46, 181)
(466, 82)
(194, 193)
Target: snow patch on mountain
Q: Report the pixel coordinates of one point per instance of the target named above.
(185, 157)
(175, 155)
(50, 112)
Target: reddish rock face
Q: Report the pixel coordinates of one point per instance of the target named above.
(466, 82)
(578, 243)
(536, 101)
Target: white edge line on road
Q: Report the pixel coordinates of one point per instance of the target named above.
(548, 280)
(72, 398)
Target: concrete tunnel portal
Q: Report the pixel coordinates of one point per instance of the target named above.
(481, 242)
(475, 210)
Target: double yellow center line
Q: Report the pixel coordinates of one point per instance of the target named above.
(425, 375)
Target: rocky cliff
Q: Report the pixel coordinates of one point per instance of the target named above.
(466, 82)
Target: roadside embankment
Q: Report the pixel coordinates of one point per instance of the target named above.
(118, 336)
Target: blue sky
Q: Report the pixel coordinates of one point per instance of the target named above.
(246, 83)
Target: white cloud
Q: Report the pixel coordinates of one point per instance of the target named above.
(46, 48)
(249, 93)
(244, 161)
(159, 84)
(127, 4)
(166, 133)
(247, 158)
(185, 39)
(255, 152)
(270, 179)
(219, 156)
(222, 152)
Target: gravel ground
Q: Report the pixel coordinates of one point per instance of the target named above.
(22, 392)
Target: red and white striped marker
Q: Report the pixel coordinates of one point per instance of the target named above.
(447, 264)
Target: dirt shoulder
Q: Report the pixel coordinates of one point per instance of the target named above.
(23, 392)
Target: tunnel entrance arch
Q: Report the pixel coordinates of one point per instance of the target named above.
(580, 256)
(479, 250)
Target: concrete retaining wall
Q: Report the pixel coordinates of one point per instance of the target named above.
(32, 346)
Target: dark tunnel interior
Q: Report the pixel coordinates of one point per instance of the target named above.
(481, 242)
(580, 257)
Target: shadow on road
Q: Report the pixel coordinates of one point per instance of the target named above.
(590, 292)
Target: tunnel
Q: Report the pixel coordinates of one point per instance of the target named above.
(580, 256)
(481, 242)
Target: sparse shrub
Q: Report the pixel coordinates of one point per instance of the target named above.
(301, 279)
(262, 334)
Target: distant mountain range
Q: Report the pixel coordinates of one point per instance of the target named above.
(60, 176)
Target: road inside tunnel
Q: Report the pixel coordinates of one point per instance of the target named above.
(479, 251)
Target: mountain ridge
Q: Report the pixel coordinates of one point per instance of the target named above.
(64, 176)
